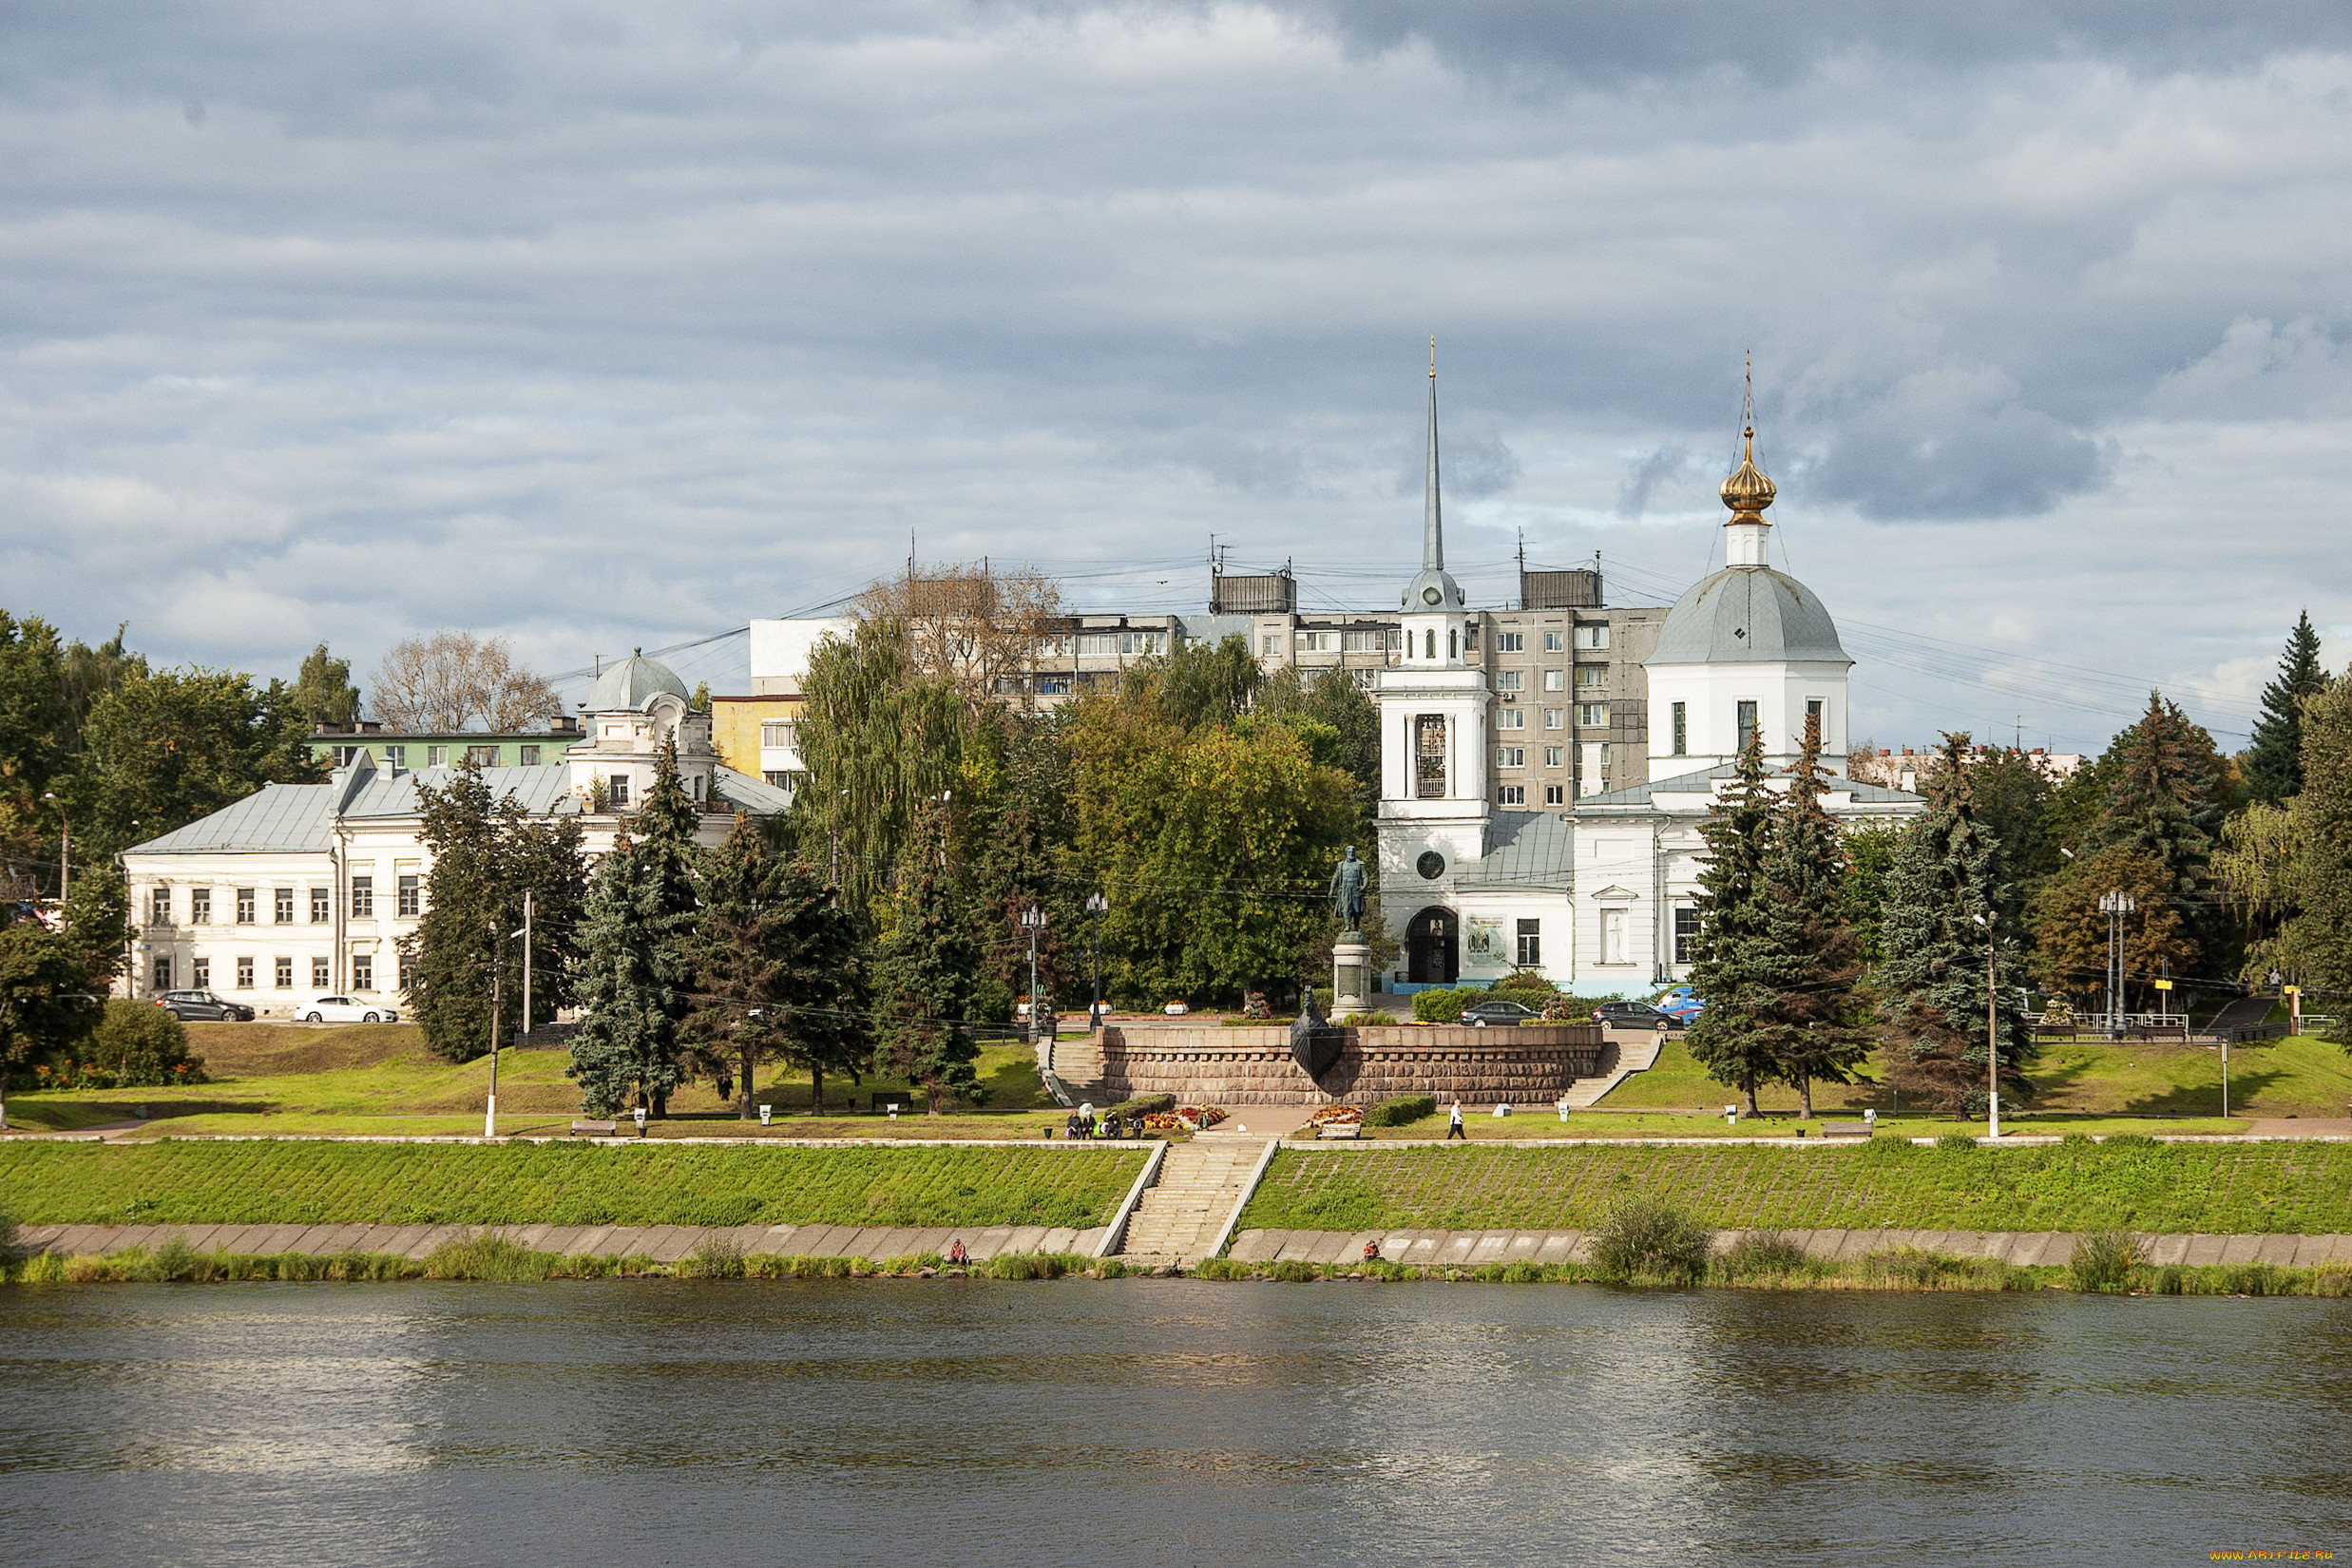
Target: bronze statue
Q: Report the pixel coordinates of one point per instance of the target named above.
(1313, 1043)
(1351, 879)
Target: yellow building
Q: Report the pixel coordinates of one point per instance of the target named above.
(759, 736)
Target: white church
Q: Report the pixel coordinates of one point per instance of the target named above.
(1601, 898)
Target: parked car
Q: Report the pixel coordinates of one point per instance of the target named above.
(344, 1009)
(204, 1007)
(1681, 1005)
(1632, 1015)
(1496, 1012)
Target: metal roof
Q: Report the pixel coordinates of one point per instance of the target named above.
(1523, 849)
(633, 683)
(1749, 615)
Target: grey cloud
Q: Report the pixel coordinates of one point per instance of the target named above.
(1661, 467)
(1955, 445)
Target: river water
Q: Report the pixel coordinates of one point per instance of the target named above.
(1159, 1422)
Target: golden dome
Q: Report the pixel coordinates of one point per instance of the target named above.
(1747, 491)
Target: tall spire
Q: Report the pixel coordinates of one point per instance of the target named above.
(1432, 527)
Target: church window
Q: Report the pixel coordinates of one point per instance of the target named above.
(1593, 716)
(1686, 931)
(1747, 723)
(1613, 936)
(1510, 681)
(1530, 943)
(1512, 718)
(1511, 795)
(1453, 649)
(1510, 756)
(1682, 729)
(1428, 643)
(1509, 641)
(1555, 794)
(1592, 637)
(1552, 718)
(1429, 756)
(1818, 712)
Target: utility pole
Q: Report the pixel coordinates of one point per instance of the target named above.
(1097, 907)
(527, 961)
(1033, 921)
(498, 973)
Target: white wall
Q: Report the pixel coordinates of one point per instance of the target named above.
(1711, 695)
(780, 649)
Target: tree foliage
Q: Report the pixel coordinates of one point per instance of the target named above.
(972, 628)
(323, 693)
(2071, 929)
(2323, 875)
(2274, 762)
(451, 681)
(162, 748)
(923, 983)
(1815, 1028)
(876, 738)
(626, 1045)
(1734, 966)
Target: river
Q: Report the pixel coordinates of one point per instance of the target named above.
(1156, 1422)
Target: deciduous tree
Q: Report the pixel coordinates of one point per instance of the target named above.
(2071, 929)
(163, 749)
(972, 627)
(323, 693)
(2323, 925)
(454, 680)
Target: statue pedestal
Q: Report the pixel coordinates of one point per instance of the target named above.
(1351, 974)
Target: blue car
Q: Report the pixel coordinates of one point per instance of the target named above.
(1681, 1005)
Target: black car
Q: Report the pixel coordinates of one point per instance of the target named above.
(204, 1007)
(1496, 1012)
(1632, 1015)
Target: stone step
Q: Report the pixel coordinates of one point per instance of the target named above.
(1636, 1051)
(1180, 1216)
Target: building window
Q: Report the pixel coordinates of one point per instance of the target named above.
(1429, 642)
(396, 757)
(1817, 711)
(322, 974)
(1747, 723)
(162, 973)
(1143, 643)
(526, 756)
(1590, 677)
(1686, 931)
(411, 896)
(199, 972)
(1270, 645)
(247, 905)
(158, 906)
(1429, 756)
(1593, 716)
(1530, 943)
(244, 974)
(1552, 718)
(1555, 794)
(1592, 637)
(1510, 681)
(1553, 643)
(482, 757)
(1613, 936)
(780, 778)
(1555, 681)
(282, 972)
(344, 755)
(1510, 756)
(1374, 640)
(778, 732)
(363, 972)
(1511, 795)
(1053, 685)
(200, 905)
(1509, 642)
(408, 972)
(617, 791)
(281, 906)
(1512, 718)
(436, 757)
(1316, 643)
(1097, 644)
(320, 912)
(1453, 646)
(363, 898)
(1682, 729)
(1553, 756)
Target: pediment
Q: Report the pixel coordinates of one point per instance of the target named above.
(1615, 895)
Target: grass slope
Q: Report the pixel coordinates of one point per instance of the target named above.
(2253, 1188)
(654, 1183)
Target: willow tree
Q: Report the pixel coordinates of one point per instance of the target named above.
(877, 738)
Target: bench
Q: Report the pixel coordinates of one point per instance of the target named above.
(1845, 1129)
(1340, 1129)
(594, 1129)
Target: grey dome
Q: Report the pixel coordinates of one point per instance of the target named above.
(633, 683)
(1450, 593)
(1749, 615)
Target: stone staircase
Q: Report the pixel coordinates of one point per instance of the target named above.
(1072, 1068)
(1199, 1182)
(1635, 1052)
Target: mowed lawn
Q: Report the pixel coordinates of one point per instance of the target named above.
(363, 1079)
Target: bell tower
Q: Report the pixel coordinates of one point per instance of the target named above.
(1434, 748)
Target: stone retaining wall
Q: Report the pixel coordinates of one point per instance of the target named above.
(662, 1243)
(1253, 1066)
(1469, 1248)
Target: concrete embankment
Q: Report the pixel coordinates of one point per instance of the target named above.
(1472, 1249)
(661, 1243)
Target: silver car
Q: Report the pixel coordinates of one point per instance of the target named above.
(344, 1009)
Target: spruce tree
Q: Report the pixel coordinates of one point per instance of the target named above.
(1932, 978)
(663, 829)
(2161, 808)
(1814, 1029)
(2274, 762)
(775, 964)
(923, 982)
(627, 1039)
(2322, 929)
(1734, 969)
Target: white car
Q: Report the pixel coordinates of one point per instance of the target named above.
(344, 1009)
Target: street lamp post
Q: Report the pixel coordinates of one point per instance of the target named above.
(2115, 904)
(498, 977)
(1033, 921)
(65, 848)
(1992, 1032)
(1097, 907)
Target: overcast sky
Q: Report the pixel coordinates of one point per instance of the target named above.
(602, 325)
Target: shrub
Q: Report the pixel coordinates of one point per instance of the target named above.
(43, 1269)
(483, 1257)
(1645, 1238)
(1914, 1266)
(1401, 1112)
(1143, 1105)
(2255, 1279)
(137, 1044)
(1222, 1268)
(1958, 1142)
(714, 1257)
(1524, 986)
(2172, 1280)
(1522, 1271)
(1764, 1252)
(1445, 1004)
(2102, 1260)
(2130, 1140)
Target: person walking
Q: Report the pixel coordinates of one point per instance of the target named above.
(1453, 1125)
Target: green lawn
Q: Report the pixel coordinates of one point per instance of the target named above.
(656, 1183)
(1542, 1122)
(2301, 1076)
(2250, 1188)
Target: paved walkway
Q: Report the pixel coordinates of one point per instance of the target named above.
(662, 1243)
(1469, 1248)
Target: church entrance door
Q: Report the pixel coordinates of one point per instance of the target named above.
(1431, 949)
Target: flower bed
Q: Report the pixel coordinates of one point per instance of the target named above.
(1201, 1115)
(1337, 1116)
